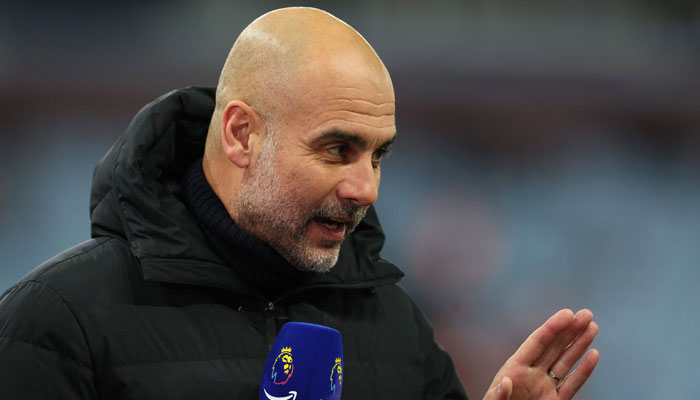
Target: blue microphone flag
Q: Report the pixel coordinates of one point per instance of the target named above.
(304, 363)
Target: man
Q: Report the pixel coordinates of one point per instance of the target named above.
(216, 219)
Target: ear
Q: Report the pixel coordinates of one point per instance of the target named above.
(239, 123)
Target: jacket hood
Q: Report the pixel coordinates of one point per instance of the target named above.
(136, 196)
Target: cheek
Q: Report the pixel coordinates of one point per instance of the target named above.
(311, 183)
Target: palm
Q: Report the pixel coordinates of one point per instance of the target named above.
(555, 347)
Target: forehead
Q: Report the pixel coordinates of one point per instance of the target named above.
(362, 109)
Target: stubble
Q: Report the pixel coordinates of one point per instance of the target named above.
(280, 217)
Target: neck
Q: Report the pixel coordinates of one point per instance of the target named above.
(253, 259)
(216, 177)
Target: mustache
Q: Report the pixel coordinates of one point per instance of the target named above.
(344, 210)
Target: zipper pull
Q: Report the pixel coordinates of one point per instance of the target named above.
(270, 324)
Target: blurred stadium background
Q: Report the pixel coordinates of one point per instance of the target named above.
(548, 158)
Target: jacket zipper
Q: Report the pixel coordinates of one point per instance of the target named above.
(270, 324)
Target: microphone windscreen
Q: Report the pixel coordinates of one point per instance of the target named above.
(305, 363)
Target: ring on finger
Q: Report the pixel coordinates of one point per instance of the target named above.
(553, 375)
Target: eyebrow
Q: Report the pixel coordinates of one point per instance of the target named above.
(349, 137)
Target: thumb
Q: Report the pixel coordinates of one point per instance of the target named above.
(501, 391)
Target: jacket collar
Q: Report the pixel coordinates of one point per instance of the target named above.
(137, 196)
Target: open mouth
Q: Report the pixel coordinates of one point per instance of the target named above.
(330, 223)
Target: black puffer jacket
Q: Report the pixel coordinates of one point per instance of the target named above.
(146, 309)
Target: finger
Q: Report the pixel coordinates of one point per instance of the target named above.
(502, 391)
(574, 352)
(557, 346)
(506, 387)
(573, 382)
(542, 337)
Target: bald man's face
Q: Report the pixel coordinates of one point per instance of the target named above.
(315, 178)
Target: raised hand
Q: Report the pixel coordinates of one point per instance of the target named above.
(541, 368)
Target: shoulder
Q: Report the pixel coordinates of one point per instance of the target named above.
(49, 297)
(388, 310)
(406, 316)
(86, 254)
(83, 273)
(39, 327)
(81, 263)
(398, 299)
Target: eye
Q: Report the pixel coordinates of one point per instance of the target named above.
(339, 150)
(378, 156)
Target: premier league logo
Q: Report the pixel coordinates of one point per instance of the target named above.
(283, 368)
(337, 377)
(318, 357)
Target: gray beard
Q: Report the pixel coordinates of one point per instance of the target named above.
(274, 216)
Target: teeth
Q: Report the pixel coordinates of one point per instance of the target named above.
(329, 225)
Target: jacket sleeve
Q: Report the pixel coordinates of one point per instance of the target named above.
(43, 353)
(440, 378)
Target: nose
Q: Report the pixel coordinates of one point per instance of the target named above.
(360, 184)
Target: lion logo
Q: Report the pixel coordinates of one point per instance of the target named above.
(337, 377)
(283, 368)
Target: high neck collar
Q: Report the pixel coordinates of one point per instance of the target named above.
(253, 259)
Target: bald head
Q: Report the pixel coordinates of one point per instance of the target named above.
(278, 57)
(315, 83)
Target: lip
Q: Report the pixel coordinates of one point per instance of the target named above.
(327, 234)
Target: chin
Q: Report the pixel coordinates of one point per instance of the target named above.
(319, 260)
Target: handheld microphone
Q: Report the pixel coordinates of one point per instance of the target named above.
(305, 363)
